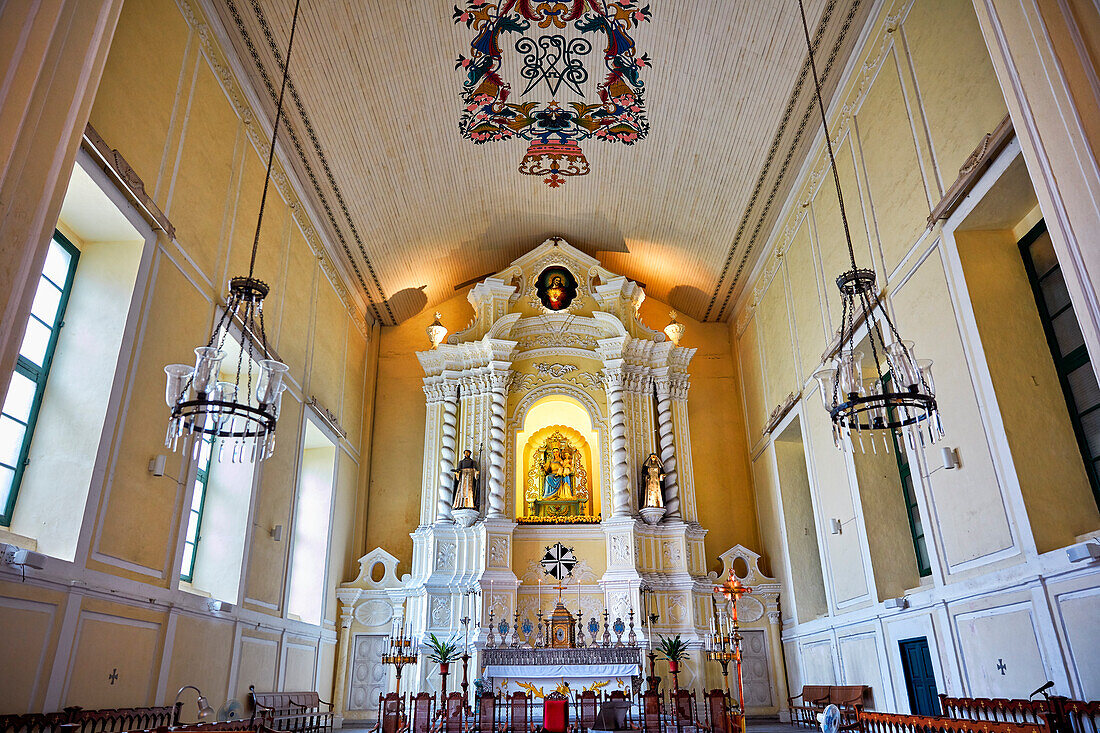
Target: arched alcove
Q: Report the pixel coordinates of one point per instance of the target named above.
(558, 420)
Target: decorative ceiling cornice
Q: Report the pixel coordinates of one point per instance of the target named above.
(273, 93)
(781, 175)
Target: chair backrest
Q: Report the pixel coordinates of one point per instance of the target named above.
(848, 694)
(555, 713)
(718, 711)
(518, 720)
(810, 693)
(683, 704)
(391, 711)
(586, 709)
(652, 703)
(422, 705)
(452, 712)
(486, 712)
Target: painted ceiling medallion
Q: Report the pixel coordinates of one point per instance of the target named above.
(554, 55)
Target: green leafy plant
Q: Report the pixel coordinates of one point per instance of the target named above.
(674, 649)
(443, 652)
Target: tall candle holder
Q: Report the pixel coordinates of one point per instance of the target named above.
(632, 638)
(729, 640)
(540, 640)
(515, 628)
(490, 638)
(399, 653)
(606, 630)
(652, 680)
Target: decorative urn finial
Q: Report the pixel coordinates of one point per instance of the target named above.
(675, 329)
(437, 331)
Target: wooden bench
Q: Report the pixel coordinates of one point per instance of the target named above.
(850, 699)
(1062, 714)
(870, 722)
(79, 720)
(295, 712)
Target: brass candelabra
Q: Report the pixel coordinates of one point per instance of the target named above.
(725, 646)
(398, 654)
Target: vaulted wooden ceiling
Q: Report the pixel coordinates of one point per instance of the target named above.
(415, 210)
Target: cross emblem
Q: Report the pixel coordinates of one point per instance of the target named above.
(1002, 666)
(113, 675)
(733, 589)
(558, 562)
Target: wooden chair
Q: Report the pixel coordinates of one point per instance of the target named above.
(519, 716)
(486, 718)
(391, 713)
(683, 707)
(719, 719)
(814, 698)
(453, 708)
(422, 713)
(621, 695)
(555, 713)
(652, 706)
(586, 710)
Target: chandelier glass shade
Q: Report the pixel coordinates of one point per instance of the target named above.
(205, 401)
(899, 396)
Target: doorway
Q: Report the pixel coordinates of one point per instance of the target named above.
(920, 677)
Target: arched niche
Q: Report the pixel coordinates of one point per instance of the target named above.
(564, 415)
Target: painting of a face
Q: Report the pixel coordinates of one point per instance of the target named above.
(556, 288)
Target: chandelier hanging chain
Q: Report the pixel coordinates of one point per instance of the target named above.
(202, 403)
(828, 138)
(274, 137)
(903, 397)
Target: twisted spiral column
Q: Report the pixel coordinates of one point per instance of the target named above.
(668, 449)
(447, 454)
(499, 384)
(620, 469)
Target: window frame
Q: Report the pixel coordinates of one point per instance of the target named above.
(1063, 365)
(912, 510)
(201, 482)
(39, 374)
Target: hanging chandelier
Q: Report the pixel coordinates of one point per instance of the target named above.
(207, 404)
(903, 399)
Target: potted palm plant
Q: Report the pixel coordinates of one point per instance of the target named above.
(674, 650)
(443, 653)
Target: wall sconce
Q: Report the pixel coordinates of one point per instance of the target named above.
(205, 711)
(950, 457)
(674, 330)
(835, 526)
(276, 532)
(157, 463)
(437, 331)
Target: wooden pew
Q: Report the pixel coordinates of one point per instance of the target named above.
(1062, 714)
(871, 722)
(848, 698)
(295, 712)
(79, 720)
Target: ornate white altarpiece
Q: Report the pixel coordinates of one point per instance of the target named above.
(560, 393)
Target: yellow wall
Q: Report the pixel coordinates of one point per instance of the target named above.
(902, 136)
(163, 105)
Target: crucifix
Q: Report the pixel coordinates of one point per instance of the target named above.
(732, 590)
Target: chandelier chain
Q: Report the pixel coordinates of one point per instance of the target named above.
(828, 139)
(274, 137)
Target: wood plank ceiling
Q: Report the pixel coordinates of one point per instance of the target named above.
(415, 210)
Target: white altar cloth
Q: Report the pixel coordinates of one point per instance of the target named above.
(557, 671)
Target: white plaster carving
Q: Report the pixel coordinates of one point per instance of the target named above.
(374, 612)
(447, 454)
(668, 449)
(440, 614)
(498, 552)
(496, 445)
(620, 469)
(445, 556)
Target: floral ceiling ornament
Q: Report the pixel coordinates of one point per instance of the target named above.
(559, 64)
